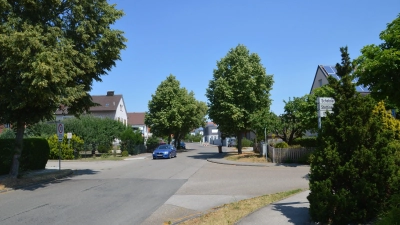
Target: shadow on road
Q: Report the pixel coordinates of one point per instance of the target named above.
(43, 178)
(296, 215)
(208, 155)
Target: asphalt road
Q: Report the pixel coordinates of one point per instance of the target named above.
(144, 191)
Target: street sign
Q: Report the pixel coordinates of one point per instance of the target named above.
(324, 104)
(60, 131)
(69, 135)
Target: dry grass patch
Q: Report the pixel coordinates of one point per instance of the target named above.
(247, 157)
(233, 212)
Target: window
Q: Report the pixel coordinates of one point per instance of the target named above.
(320, 82)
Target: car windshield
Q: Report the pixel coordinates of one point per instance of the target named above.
(163, 147)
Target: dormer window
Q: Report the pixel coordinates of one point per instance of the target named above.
(107, 104)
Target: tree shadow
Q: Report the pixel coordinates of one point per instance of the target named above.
(296, 214)
(208, 155)
(42, 178)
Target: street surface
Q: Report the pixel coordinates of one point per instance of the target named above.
(143, 190)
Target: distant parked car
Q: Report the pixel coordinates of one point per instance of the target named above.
(182, 145)
(164, 151)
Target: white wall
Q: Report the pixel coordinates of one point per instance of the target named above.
(320, 76)
(121, 113)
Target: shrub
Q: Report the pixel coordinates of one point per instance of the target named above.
(281, 145)
(7, 134)
(125, 153)
(246, 142)
(306, 142)
(6, 155)
(152, 143)
(68, 150)
(34, 155)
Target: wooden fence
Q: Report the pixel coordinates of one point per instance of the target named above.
(289, 155)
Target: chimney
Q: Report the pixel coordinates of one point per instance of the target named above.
(110, 93)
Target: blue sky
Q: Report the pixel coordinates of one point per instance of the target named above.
(187, 38)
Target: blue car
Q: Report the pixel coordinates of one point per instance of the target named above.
(164, 152)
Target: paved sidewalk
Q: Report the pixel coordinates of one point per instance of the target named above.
(292, 210)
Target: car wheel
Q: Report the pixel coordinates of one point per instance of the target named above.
(169, 156)
(154, 158)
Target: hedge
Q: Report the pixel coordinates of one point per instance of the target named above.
(34, 156)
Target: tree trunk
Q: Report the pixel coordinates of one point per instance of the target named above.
(18, 149)
(239, 143)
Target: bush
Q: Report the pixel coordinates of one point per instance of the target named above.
(246, 142)
(152, 143)
(393, 215)
(125, 153)
(7, 134)
(34, 155)
(281, 145)
(68, 150)
(306, 142)
(6, 155)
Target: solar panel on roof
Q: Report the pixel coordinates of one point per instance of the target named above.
(329, 69)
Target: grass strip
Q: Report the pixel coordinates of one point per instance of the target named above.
(233, 212)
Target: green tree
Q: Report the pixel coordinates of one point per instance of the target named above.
(130, 139)
(378, 66)
(353, 170)
(50, 53)
(172, 110)
(193, 115)
(239, 88)
(96, 132)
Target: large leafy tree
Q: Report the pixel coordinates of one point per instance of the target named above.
(379, 65)
(353, 171)
(300, 115)
(172, 110)
(240, 87)
(50, 53)
(193, 115)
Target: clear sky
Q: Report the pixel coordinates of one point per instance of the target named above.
(186, 38)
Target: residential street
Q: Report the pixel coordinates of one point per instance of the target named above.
(143, 190)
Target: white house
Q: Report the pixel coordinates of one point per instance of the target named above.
(136, 121)
(111, 106)
(321, 78)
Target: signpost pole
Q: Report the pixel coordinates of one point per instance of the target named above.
(60, 134)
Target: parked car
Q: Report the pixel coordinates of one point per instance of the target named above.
(164, 151)
(182, 145)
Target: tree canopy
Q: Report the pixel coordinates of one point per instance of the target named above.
(174, 110)
(51, 51)
(240, 88)
(378, 66)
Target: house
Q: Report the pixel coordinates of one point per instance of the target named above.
(136, 121)
(111, 106)
(321, 78)
(211, 134)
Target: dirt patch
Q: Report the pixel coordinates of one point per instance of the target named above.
(31, 178)
(246, 157)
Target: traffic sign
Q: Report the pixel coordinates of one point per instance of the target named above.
(69, 135)
(60, 131)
